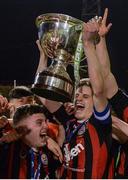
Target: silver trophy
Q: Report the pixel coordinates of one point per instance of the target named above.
(61, 39)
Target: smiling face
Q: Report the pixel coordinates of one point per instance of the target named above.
(83, 103)
(37, 124)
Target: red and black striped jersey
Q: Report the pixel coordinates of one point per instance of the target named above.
(15, 161)
(86, 153)
(114, 157)
(119, 104)
(122, 166)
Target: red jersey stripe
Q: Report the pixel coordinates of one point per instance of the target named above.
(96, 146)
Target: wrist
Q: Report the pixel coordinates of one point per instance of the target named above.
(89, 43)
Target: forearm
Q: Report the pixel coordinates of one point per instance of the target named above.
(94, 69)
(42, 63)
(103, 57)
(52, 106)
(119, 130)
(110, 83)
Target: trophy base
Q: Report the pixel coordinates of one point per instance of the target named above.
(51, 93)
(53, 86)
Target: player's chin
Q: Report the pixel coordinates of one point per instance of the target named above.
(41, 144)
(78, 114)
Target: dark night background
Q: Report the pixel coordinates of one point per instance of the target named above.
(18, 51)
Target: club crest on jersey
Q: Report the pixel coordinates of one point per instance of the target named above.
(44, 159)
(82, 130)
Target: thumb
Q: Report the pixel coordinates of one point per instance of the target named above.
(109, 26)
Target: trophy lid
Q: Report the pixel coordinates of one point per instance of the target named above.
(57, 17)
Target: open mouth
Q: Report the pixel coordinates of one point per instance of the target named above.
(79, 106)
(43, 135)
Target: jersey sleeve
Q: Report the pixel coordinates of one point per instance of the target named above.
(119, 103)
(104, 116)
(102, 122)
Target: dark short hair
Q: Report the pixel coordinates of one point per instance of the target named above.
(28, 110)
(19, 92)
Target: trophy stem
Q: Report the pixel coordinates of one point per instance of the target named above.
(54, 83)
(59, 68)
(59, 63)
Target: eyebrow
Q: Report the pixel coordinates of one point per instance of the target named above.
(41, 119)
(83, 94)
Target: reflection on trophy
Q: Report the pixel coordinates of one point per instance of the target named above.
(60, 38)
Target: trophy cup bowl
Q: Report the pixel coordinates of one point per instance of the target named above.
(59, 36)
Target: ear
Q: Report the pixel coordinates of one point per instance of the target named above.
(11, 109)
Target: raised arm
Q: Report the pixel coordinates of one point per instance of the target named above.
(43, 59)
(111, 86)
(94, 69)
(118, 99)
